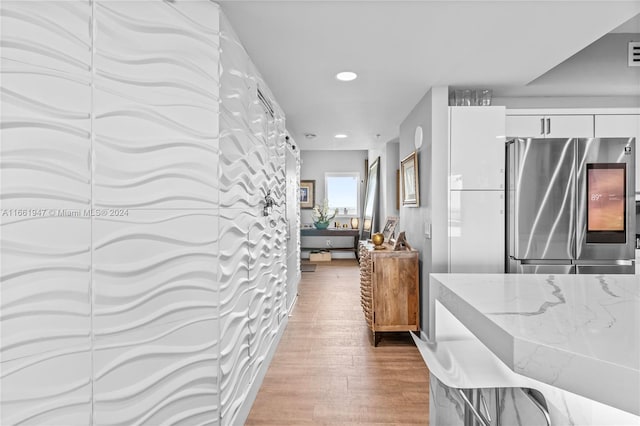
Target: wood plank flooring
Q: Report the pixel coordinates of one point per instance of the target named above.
(325, 370)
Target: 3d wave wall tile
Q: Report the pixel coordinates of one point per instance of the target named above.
(140, 282)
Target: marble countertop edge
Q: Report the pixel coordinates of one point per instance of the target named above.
(594, 375)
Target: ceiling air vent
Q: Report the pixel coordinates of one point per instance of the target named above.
(266, 104)
(634, 53)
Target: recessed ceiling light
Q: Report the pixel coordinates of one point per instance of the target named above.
(346, 76)
(310, 135)
(340, 136)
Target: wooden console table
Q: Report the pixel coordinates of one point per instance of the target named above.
(312, 232)
(389, 289)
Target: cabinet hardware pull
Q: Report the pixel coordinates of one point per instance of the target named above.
(548, 125)
(542, 126)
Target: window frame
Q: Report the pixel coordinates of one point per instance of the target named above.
(355, 175)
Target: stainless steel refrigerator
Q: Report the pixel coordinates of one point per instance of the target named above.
(570, 206)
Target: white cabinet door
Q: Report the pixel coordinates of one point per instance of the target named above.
(526, 126)
(477, 147)
(550, 126)
(476, 231)
(569, 126)
(624, 126)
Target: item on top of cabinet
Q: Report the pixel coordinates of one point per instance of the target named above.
(483, 97)
(401, 243)
(377, 239)
(321, 216)
(467, 97)
(390, 227)
(355, 223)
(471, 97)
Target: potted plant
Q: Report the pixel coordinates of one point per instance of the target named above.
(321, 216)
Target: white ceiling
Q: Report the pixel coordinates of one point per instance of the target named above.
(402, 48)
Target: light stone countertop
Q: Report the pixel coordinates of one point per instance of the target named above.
(580, 333)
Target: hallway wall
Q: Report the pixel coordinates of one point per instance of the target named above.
(140, 282)
(431, 113)
(252, 258)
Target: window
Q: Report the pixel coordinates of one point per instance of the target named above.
(343, 192)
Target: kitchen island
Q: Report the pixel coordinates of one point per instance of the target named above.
(579, 334)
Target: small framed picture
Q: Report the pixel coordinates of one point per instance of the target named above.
(401, 243)
(390, 227)
(307, 194)
(409, 175)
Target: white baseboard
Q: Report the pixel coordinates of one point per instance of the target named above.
(293, 304)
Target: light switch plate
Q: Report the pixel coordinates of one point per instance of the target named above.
(427, 230)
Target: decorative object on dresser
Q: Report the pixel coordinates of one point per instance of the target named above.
(401, 243)
(390, 227)
(389, 289)
(377, 239)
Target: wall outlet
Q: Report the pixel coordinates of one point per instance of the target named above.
(329, 243)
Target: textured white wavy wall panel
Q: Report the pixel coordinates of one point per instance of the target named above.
(152, 268)
(45, 268)
(51, 388)
(156, 318)
(264, 309)
(156, 105)
(279, 183)
(235, 295)
(293, 225)
(45, 285)
(240, 160)
(252, 262)
(46, 104)
(156, 153)
(298, 219)
(268, 248)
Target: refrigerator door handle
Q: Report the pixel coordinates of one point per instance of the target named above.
(543, 262)
(593, 262)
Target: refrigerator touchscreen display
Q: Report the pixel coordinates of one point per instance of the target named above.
(606, 202)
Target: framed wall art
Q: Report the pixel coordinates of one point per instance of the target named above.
(410, 183)
(307, 194)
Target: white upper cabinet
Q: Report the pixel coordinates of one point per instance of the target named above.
(477, 136)
(550, 126)
(624, 126)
